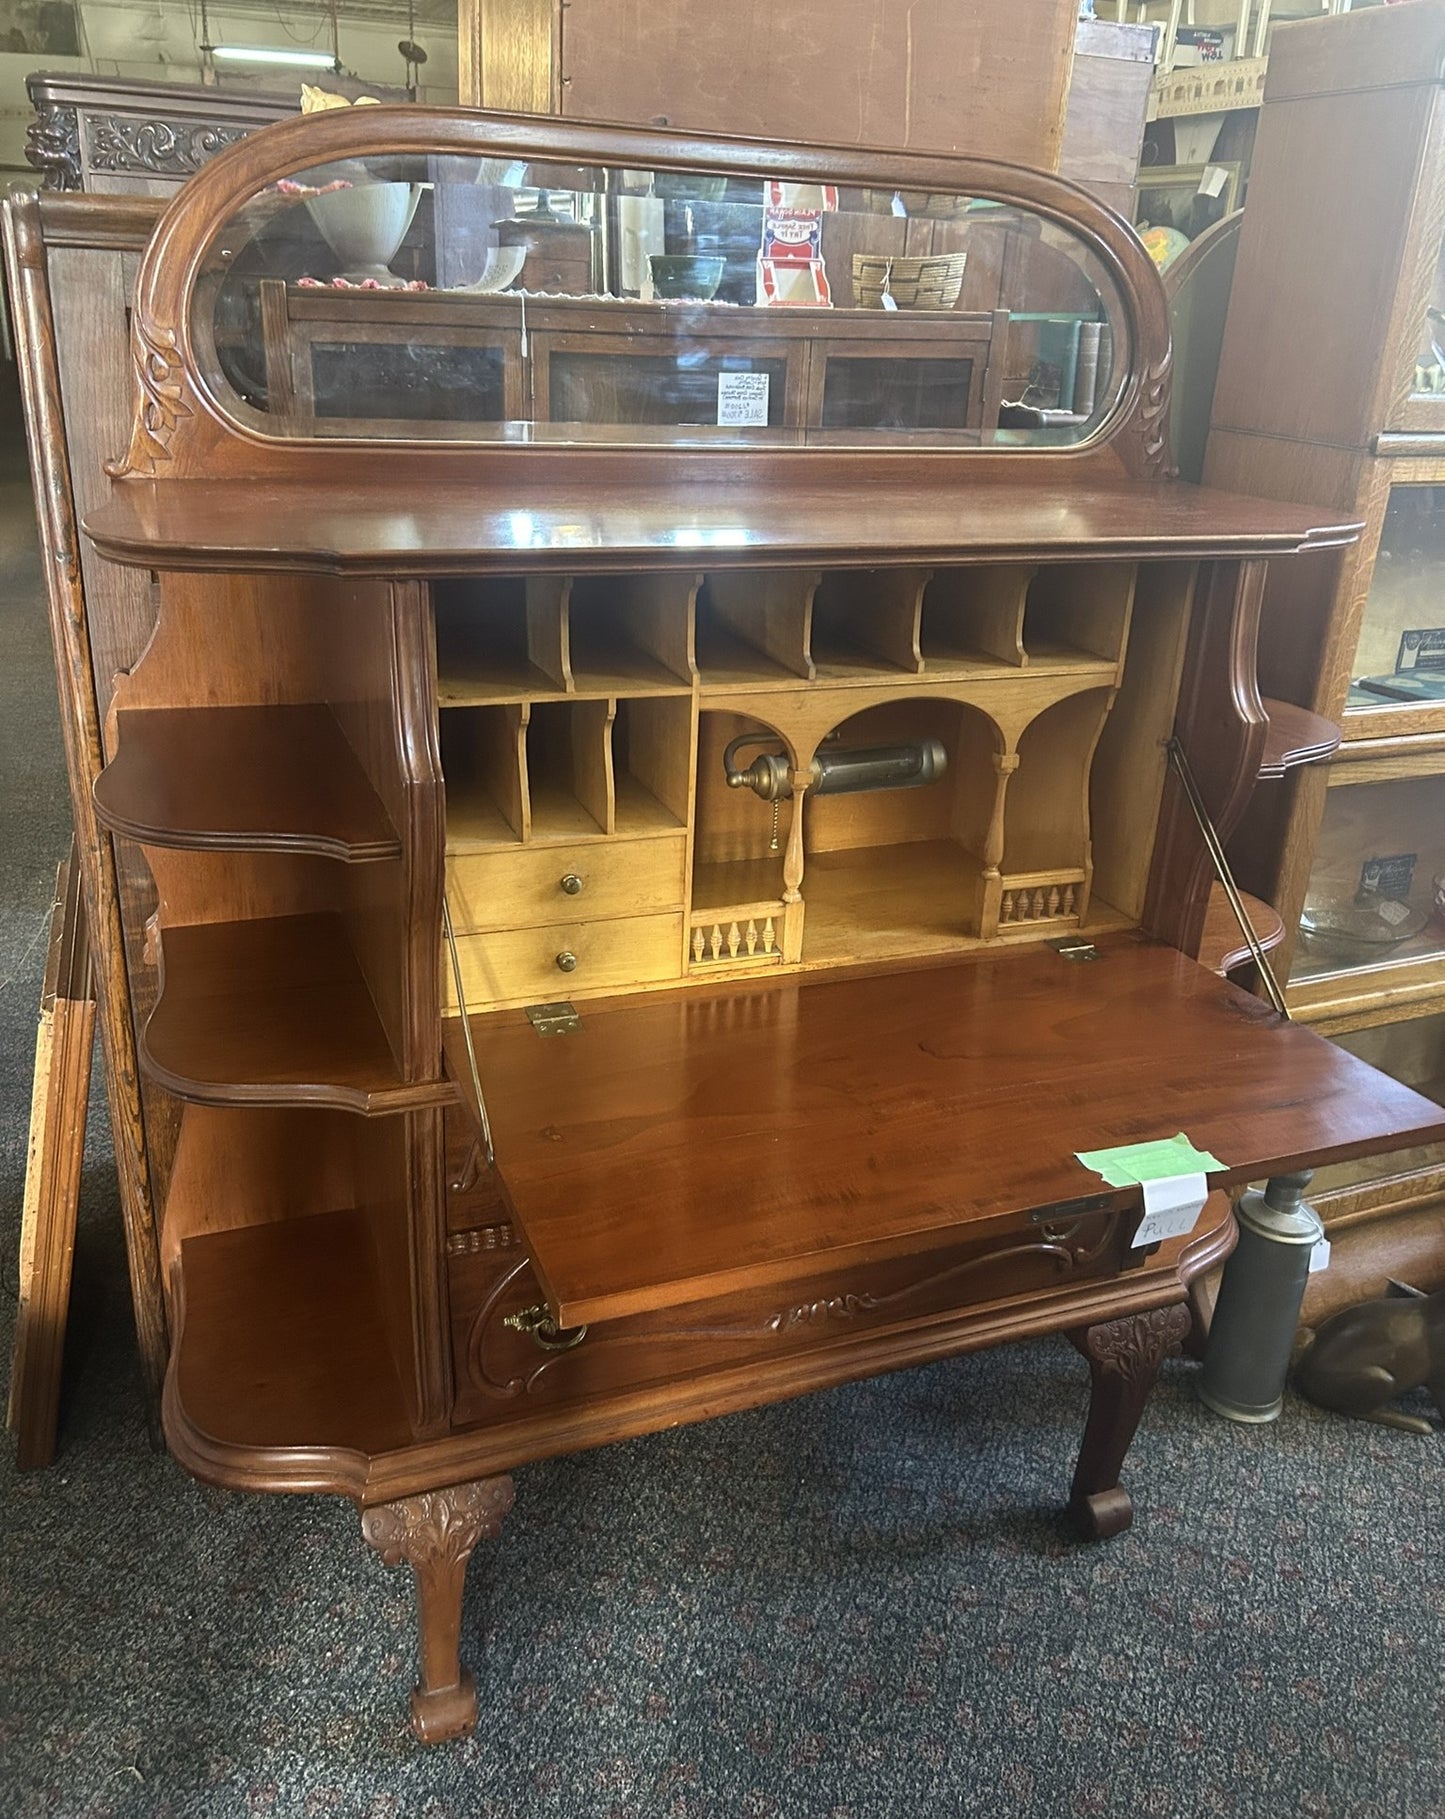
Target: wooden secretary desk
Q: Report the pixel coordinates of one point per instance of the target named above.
(649, 908)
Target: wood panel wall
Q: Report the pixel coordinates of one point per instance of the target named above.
(982, 76)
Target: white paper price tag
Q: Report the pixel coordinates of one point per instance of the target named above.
(742, 400)
(1171, 1208)
(1213, 181)
(1320, 1257)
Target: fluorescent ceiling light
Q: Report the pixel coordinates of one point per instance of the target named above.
(261, 53)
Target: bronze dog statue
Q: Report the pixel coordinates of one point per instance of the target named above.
(1365, 1356)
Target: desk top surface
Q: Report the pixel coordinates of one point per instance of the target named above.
(681, 1146)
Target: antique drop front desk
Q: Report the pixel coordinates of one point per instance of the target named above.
(663, 840)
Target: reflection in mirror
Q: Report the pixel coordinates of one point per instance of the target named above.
(479, 298)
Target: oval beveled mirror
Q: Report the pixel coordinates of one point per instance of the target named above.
(490, 297)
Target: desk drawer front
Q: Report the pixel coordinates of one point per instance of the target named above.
(540, 885)
(532, 965)
(492, 1287)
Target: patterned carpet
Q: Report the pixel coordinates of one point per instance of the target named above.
(856, 1606)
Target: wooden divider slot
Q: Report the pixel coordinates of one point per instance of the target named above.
(486, 637)
(652, 759)
(632, 634)
(484, 761)
(1079, 614)
(569, 770)
(866, 621)
(755, 626)
(972, 620)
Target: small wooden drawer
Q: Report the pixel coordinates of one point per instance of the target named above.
(531, 965)
(533, 885)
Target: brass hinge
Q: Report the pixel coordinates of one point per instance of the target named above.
(1074, 947)
(554, 1019)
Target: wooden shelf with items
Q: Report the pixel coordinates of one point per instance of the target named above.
(1344, 847)
(772, 773)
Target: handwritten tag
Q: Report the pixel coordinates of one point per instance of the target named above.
(1171, 1208)
(742, 400)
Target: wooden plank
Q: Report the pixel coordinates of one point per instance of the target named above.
(63, 1045)
(69, 567)
(693, 1145)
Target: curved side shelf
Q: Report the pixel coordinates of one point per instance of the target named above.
(1224, 946)
(274, 1011)
(1294, 736)
(280, 1378)
(242, 779)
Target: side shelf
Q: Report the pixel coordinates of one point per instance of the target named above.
(281, 1344)
(273, 1011)
(1295, 736)
(246, 779)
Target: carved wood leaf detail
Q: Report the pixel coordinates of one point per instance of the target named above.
(160, 404)
(166, 148)
(1134, 1346)
(438, 1527)
(1150, 427)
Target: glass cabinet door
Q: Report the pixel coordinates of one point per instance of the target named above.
(1412, 1052)
(1419, 402)
(1400, 656)
(1376, 896)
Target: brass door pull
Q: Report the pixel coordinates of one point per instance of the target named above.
(571, 882)
(537, 1321)
(566, 961)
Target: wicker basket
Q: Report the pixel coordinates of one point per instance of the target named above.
(930, 283)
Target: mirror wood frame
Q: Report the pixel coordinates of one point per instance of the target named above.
(182, 428)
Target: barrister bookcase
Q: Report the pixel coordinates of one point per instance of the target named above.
(1331, 388)
(646, 915)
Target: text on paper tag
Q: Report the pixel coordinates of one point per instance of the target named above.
(742, 400)
(1171, 1208)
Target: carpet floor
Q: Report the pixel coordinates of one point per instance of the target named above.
(855, 1606)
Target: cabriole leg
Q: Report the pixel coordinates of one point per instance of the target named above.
(435, 1533)
(1124, 1358)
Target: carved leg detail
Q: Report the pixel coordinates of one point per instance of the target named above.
(1124, 1358)
(435, 1533)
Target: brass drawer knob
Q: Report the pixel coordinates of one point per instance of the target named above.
(566, 961)
(571, 882)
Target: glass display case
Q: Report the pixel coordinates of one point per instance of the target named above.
(1400, 656)
(1427, 381)
(1376, 895)
(1412, 1052)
